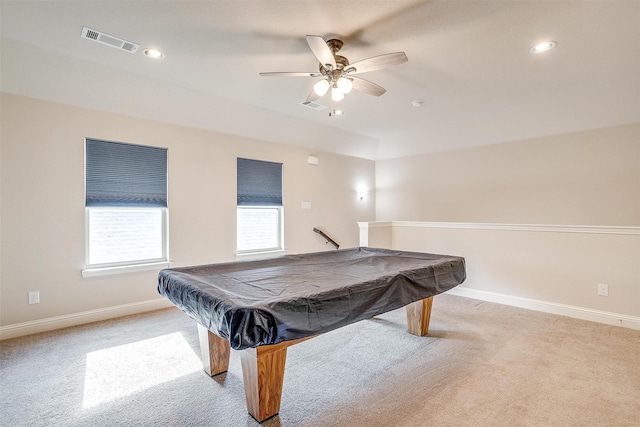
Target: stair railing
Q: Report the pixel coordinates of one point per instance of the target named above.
(329, 239)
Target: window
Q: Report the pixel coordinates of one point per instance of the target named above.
(259, 211)
(126, 205)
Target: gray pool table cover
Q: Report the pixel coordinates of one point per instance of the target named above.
(254, 303)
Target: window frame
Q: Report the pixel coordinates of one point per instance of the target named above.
(125, 266)
(260, 185)
(279, 248)
(141, 194)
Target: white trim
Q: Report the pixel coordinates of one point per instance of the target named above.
(582, 313)
(74, 319)
(136, 265)
(250, 256)
(280, 247)
(587, 229)
(378, 224)
(363, 228)
(107, 271)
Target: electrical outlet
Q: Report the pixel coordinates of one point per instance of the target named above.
(34, 297)
(603, 290)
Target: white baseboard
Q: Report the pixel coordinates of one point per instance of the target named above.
(58, 322)
(582, 313)
(74, 319)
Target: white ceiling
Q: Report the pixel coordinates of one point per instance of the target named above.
(468, 62)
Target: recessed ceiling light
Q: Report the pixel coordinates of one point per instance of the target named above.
(543, 47)
(154, 53)
(417, 103)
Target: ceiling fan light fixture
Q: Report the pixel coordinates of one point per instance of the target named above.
(321, 87)
(336, 94)
(345, 85)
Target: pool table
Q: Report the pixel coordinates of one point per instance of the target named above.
(262, 307)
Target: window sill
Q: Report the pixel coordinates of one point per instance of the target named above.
(108, 271)
(250, 256)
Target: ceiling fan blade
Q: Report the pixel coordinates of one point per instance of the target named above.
(290, 74)
(313, 96)
(367, 87)
(377, 62)
(321, 50)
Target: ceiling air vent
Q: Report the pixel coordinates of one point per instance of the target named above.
(313, 105)
(97, 36)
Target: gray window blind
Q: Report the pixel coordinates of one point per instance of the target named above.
(120, 174)
(259, 183)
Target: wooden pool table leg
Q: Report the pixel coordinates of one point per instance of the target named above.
(215, 351)
(418, 316)
(263, 375)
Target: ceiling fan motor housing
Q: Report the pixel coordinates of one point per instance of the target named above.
(341, 64)
(335, 45)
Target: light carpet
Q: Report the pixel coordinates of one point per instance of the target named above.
(483, 364)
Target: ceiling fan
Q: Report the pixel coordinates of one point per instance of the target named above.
(338, 74)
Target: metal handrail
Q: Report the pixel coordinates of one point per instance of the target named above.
(329, 239)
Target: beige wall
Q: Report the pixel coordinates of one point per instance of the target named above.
(553, 266)
(42, 199)
(589, 178)
(585, 178)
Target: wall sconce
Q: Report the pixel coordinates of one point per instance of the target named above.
(362, 193)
